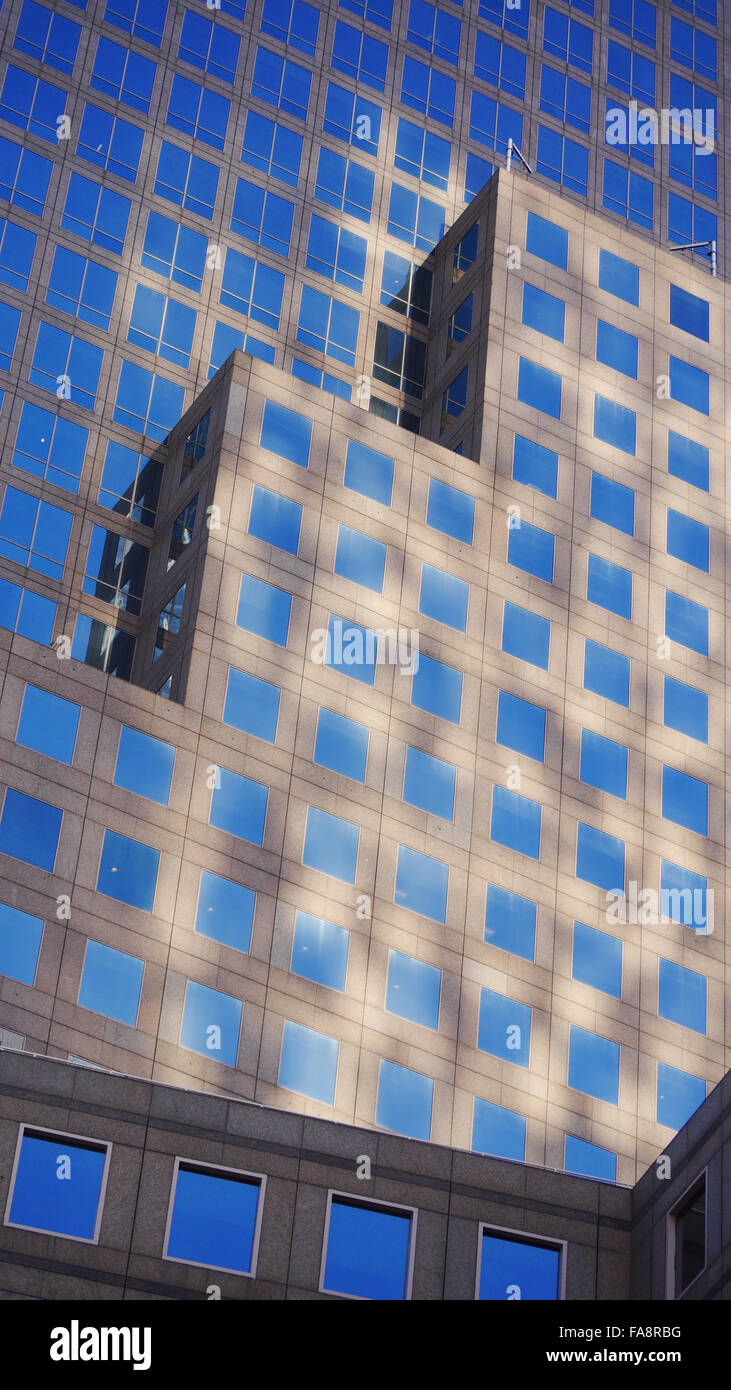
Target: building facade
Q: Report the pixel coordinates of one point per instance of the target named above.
(362, 565)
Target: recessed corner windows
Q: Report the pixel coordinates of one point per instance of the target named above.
(513, 1261)
(40, 1202)
(309, 1063)
(368, 1249)
(215, 1217)
(225, 911)
(594, 1065)
(211, 1023)
(128, 871)
(48, 724)
(144, 765)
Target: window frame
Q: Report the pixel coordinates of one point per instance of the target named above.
(376, 1204)
(525, 1238)
(671, 1277)
(235, 1173)
(85, 1140)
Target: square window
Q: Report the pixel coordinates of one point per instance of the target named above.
(594, 1065)
(521, 725)
(619, 277)
(686, 622)
(682, 996)
(421, 884)
(29, 830)
(341, 744)
(282, 83)
(606, 672)
(609, 586)
(211, 1023)
(544, 312)
(331, 845)
(603, 763)
(39, 1202)
(688, 540)
(349, 649)
(437, 688)
(547, 241)
(286, 433)
(367, 1253)
(684, 896)
(405, 1100)
(510, 922)
(351, 118)
(600, 858)
(275, 519)
(689, 385)
(504, 1028)
(498, 1131)
(531, 549)
(688, 460)
(252, 705)
(612, 503)
(225, 911)
(679, 1094)
(360, 558)
(689, 313)
(369, 473)
(686, 709)
(309, 1063)
(516, 822)
(111, 983)
(214, 1218)
(239, 806)
(617, 349)
(128, 871)
(615, 424)
(450, 511)
(144, 765)
(526, 635)
(413, 989)
(443, 597)
(429, 784)
(597, 959)
(264, 610)
(589, 1161)
(320, 951)
(187, 180)
(510, 1262)
(685, 800)
(539, 388)
(48, 724)
(20, 944)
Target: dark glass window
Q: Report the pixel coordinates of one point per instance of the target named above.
(689, 1227)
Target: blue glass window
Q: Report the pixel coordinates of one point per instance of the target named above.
(24, 177)
(34, 533)
(360, 558)
(544, 312)
(110, 142)
(494, 124)
(111, 983)
(31, 104)
(510, 922)
(82, 287)
(211, 1023)
(405, 1100)
(429, 783)
(262, 217)
(123, 75)
(17, 249)
(689, 222)
(345, 185)
(565, 98)
(512, 18)
(252, 288)
(443, 597)
(539, 388)
(359, 56)
(636, 18)
(328, 325)
(348, 116)
(271, 148)
(62, 360)
(500, 64)
(143, 18)
(351, 650)
(413, 989)
(331, 845)
(535, 465)
(422, 154)
(128, 871)
(435, 30)
(504, 1028)
(209, 46)
(612, 503)
(679, 1094)
(531, 549)
(450, 511)
(606, 672)
(684, 896)
(619, 277)
(320, 951)
(96, 214)
(693, 48)
(597, 959)
(589, 1161)
(198, 112)
(336, 252)
(521, 725)
(562, 160)
(689, 385)
(225, 911)
(688, 540)
(27, 613)
(421, 884)
(510, 1262)
(615, 424)
(516, 822)
(526, 635)
(47, 37)
(144, 765)
(594, 1065)
(213, 1220)
(498, 1131)
(428, 91)
(239, 806)
(375, 11)
(567, 39)
(685, 800)
(20, 944)
(275, 519)
(686, 709)
(600, 858)
(29, 829)
(9, 325)
(294, 23)
(415, 219)
(341, 744)
(174, 251)
(252, 705)
(477, 174)
(309, 1063)
(689, 312)
(367, 1246)
(51, 447)
(48, 724)
(40, 1202)
(187, 180)
(147, 403)
(630, 72)
(628, 194)
(161, 325)
(547, 241)
(286, 433)
(682, 996)
(617, 349)
(686, 622)
(609, 586)
(369, 472)
(688, 460)
(437, 688)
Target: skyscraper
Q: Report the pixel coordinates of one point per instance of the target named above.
(362, 561)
